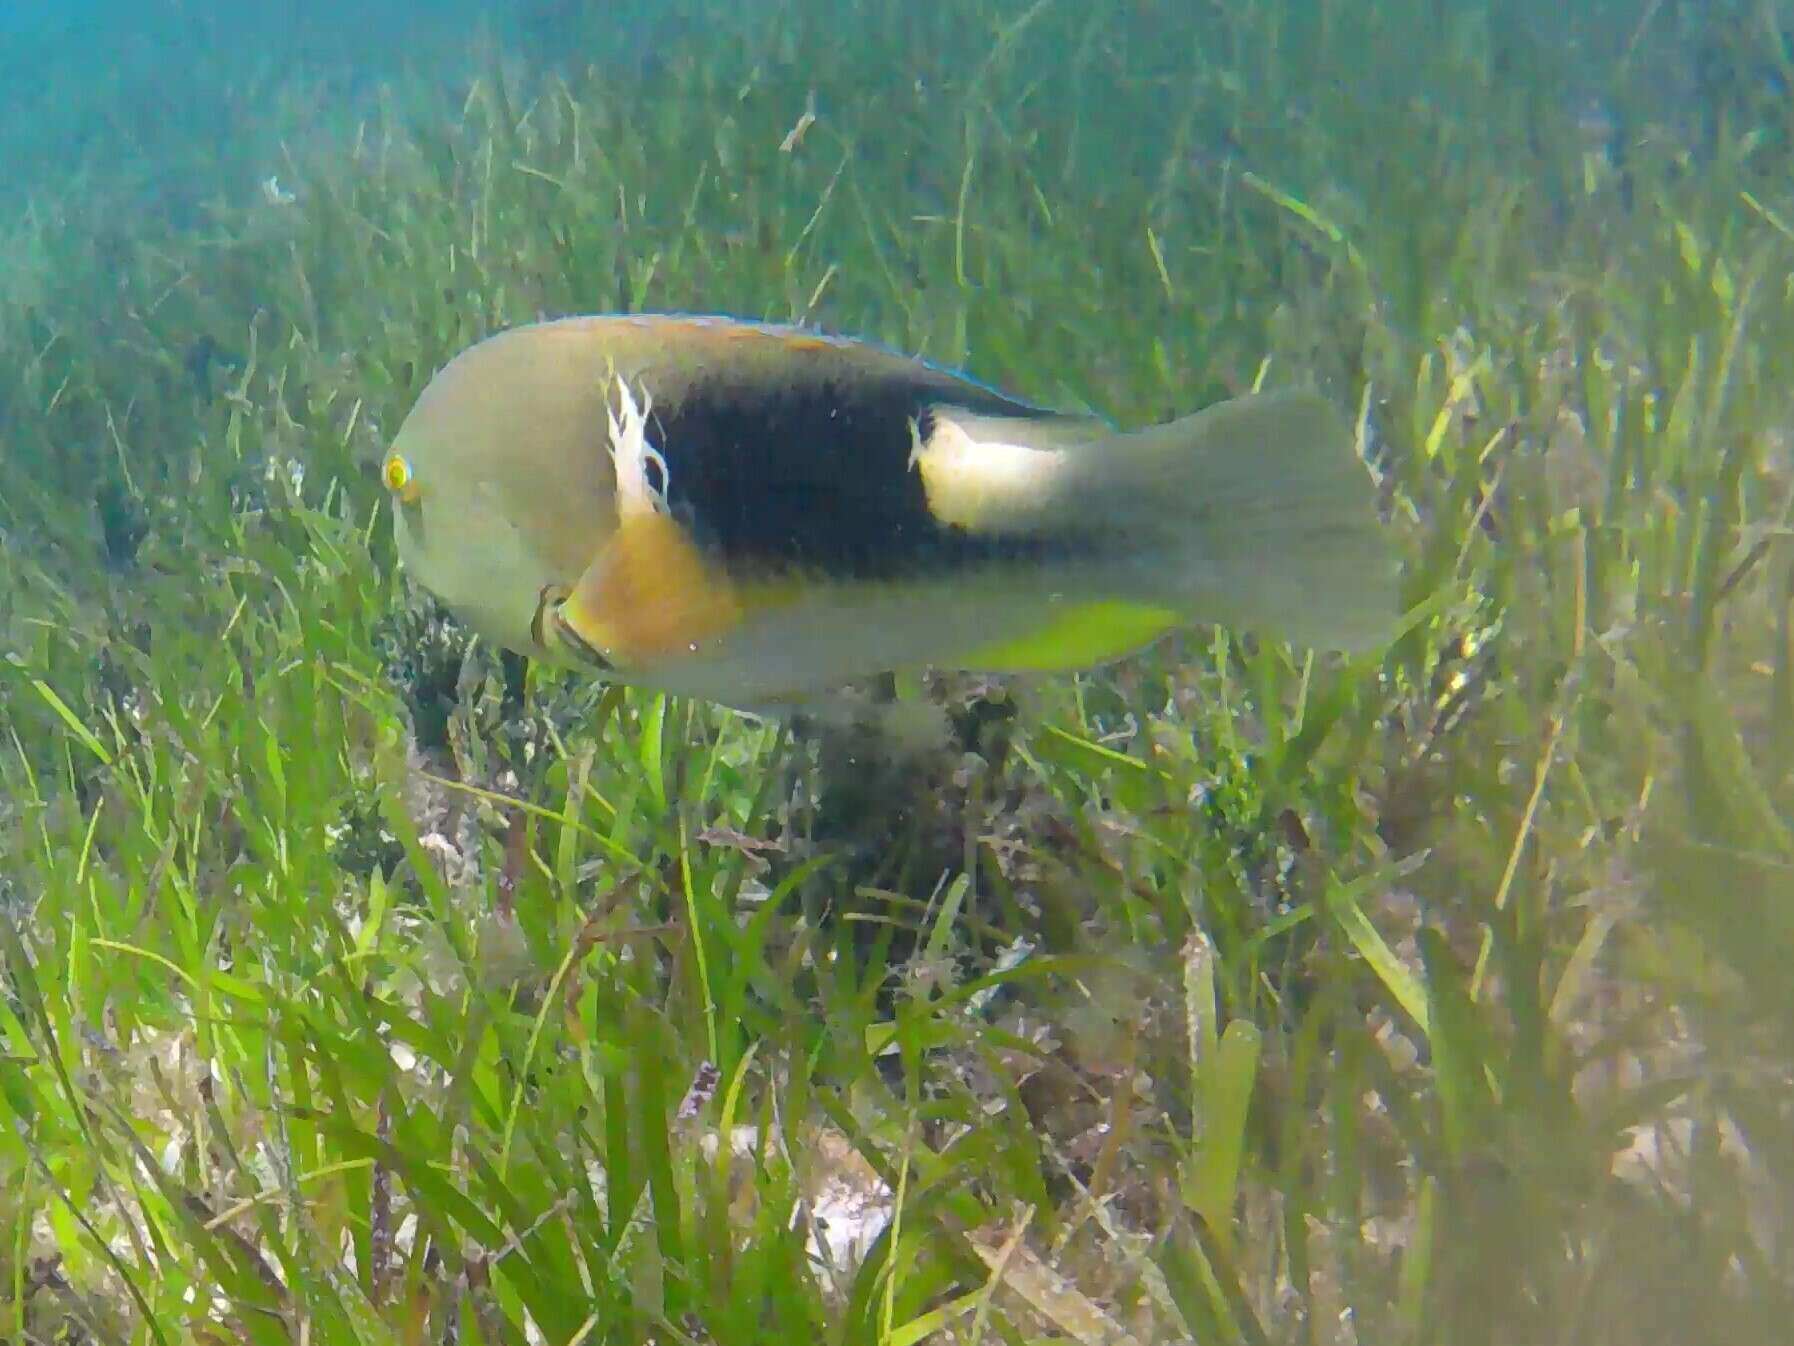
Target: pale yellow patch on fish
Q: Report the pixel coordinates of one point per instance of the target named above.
(985, 485)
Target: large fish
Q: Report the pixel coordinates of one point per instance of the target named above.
(757, 514)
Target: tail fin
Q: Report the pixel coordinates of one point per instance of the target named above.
(1255, 513)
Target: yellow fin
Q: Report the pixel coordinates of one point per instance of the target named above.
(1076, 638)
(650, 594)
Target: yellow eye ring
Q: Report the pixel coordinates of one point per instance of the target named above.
(396, 473)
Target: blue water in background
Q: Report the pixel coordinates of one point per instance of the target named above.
(123, 89)
(120, 89)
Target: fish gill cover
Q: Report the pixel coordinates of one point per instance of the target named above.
(359, 985)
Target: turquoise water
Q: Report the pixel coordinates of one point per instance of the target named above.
(119, 87)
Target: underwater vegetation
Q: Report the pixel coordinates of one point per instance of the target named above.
(358, 984)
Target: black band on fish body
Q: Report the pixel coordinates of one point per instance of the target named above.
(816, 475)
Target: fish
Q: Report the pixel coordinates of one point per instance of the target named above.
(760, 515)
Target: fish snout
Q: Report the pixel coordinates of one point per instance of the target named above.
(552, 632)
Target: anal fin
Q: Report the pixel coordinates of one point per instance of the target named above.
(1080, 636)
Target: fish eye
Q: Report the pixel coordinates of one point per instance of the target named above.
(398, 477)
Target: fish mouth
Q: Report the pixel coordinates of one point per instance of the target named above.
(551, 630)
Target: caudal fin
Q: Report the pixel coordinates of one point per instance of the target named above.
(1255, 513)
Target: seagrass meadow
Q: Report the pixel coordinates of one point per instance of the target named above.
(358, 985)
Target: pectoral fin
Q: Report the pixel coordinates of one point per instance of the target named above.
(651, 594)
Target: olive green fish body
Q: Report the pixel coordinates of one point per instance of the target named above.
(753, 513)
